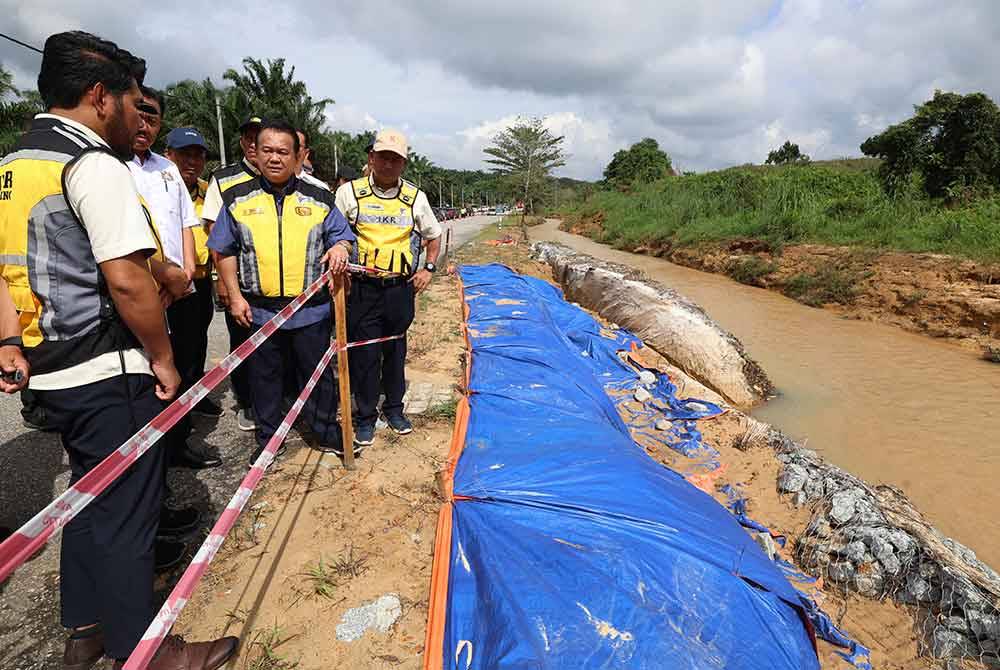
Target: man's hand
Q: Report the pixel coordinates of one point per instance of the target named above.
(421, 280)
(222, 292)
(171, 277)
(335, 258)
(11, 361)
(240, 310)
(167, 379)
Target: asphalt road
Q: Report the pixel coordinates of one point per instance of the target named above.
(34, 469)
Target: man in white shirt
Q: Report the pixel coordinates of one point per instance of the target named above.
(159, 182)
(392, 219)
(76, 246)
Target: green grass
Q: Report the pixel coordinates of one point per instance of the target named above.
(834, 202)
(751, 270)
(825, 285)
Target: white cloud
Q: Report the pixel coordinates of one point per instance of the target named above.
(715, 83)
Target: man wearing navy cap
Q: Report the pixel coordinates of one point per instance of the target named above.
(186, 148)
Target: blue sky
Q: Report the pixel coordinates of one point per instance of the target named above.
(716, 83)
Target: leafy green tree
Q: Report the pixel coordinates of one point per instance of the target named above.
(192, 103)
(17, 108)
(787, 154)
(419, 169)
(526, 153)
(952, 141)
(643, 162)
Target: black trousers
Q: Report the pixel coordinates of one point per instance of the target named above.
(107, 549)
(240, 377)
(302, 348)
(374, 311)
(203, 319)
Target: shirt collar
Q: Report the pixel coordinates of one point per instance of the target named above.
(75, 124)
(275, 191)
(250, 166)
(371, 182)
(153, 163)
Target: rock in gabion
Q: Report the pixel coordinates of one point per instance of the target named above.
(949, 644)
(792, 479)
(851, 542)
(842, 507)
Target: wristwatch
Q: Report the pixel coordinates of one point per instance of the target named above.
(430, 267)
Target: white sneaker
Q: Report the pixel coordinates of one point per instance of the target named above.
(245, 420)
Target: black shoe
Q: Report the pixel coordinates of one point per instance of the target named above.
(195, 459)
(364, 435)
(207, 407)
(260, 450)
(399, 424)
(167, 554)
(5, 532)
(178, 522)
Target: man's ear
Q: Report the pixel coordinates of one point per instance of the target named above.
(100, 98)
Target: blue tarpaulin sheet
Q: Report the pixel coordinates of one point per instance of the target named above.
(571, 548)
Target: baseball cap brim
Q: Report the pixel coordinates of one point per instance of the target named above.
(252, 121)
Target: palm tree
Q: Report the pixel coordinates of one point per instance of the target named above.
(419, 168)
(273, 91)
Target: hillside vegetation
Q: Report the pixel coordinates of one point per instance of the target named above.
(835, 202)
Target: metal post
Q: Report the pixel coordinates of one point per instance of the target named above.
(336, 162)
(222, 138)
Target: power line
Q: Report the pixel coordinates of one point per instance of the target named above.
(23, 44)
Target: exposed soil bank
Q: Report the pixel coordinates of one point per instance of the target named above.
(931, 294)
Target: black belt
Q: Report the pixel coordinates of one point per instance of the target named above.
(278, 303)
(383, 282)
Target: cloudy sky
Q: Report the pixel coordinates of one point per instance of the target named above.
(717, 82)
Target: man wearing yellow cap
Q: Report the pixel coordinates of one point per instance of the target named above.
(391, 218)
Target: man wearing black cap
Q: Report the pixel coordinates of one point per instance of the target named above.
(186, 148)
(222, 180)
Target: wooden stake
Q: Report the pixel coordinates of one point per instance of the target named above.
(343, 374)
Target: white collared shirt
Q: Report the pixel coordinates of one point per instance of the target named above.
(309, 179)
(159, 182)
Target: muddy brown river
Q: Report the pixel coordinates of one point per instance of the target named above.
(887, 405)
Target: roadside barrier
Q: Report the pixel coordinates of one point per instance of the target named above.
(33, 535)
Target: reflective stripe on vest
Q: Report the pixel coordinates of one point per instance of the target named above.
(65, 314)
(387, 237)
(280, 252)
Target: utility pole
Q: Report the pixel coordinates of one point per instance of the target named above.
(440, 201)
(222, 139)
(336, 161)
(452, 195)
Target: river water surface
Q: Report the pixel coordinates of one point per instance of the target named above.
(888, 406)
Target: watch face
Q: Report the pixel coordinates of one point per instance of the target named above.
(430, 267)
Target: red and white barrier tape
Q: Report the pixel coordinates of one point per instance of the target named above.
(165, 618)
(33, 535)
